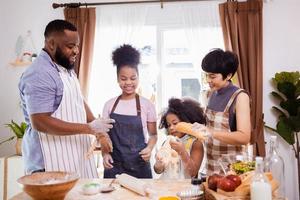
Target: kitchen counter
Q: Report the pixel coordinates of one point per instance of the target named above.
(162, 188)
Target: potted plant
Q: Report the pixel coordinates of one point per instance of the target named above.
(19, 131)
(288, 109)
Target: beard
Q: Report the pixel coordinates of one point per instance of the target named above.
(62, 60)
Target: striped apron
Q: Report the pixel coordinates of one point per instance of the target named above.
(68, 153)
(219, 121)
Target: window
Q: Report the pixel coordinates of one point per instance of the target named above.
(169, 66)
(171, 52)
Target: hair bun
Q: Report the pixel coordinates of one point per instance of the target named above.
(126, 55)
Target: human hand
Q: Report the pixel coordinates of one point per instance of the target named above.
(206, 132)
(107, 161)
(159, 166)
(146, 153)
(101, 125)
(177, 146)
(105, 142)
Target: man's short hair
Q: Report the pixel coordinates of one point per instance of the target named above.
(58, 26)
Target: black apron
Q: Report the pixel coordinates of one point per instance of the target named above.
(128, 140)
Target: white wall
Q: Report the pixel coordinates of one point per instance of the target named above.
(281, 52)
(17, 17)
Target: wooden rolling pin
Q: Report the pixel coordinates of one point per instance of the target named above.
(133, 184)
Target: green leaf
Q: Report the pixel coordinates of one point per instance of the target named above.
(23, 127)
(17, 130)
(285, 131)
(270, 128)
(11, 138)
(290, 106)
(277, 96)
(291, 77)
(288, 89)
(295, 121)
(281, 113)
(298, 89)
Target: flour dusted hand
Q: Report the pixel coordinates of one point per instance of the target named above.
(101, 125)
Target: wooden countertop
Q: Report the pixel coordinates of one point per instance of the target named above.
(162, 188)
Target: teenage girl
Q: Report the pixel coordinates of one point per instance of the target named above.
(134, 133)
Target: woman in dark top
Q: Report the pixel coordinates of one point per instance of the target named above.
(228, 110)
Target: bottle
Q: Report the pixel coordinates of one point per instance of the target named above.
(274, 164)
(260, 188)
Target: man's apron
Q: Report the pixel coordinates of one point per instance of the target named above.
(68, 153)
(219, 121)
(128, 140)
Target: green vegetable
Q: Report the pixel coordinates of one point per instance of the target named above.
(91, 185)
(243, 167)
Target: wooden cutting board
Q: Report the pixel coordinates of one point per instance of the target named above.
(162, 188)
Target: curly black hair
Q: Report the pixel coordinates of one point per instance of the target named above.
(219, 61)
(126, 55)
(186, 109)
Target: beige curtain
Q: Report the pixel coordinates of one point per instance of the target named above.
(85, 21)
(242, 31)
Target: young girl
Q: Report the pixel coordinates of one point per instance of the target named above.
(228, 110)
(189, 149)
(134, 133)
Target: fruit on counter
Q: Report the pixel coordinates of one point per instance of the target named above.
(185, 127)
(243, 190)
(228, 183)
(213, 181)
(236, 179)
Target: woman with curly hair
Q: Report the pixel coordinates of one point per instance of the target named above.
(189, 149)
(134, 133)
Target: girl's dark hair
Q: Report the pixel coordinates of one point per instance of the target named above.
(58, 26)
(126, 55)
(219, 61)
(186, 109)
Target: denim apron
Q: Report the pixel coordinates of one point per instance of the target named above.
(128, 140)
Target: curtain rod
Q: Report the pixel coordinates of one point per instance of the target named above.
(79, 4)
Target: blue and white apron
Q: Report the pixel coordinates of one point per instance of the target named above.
(68, 153)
